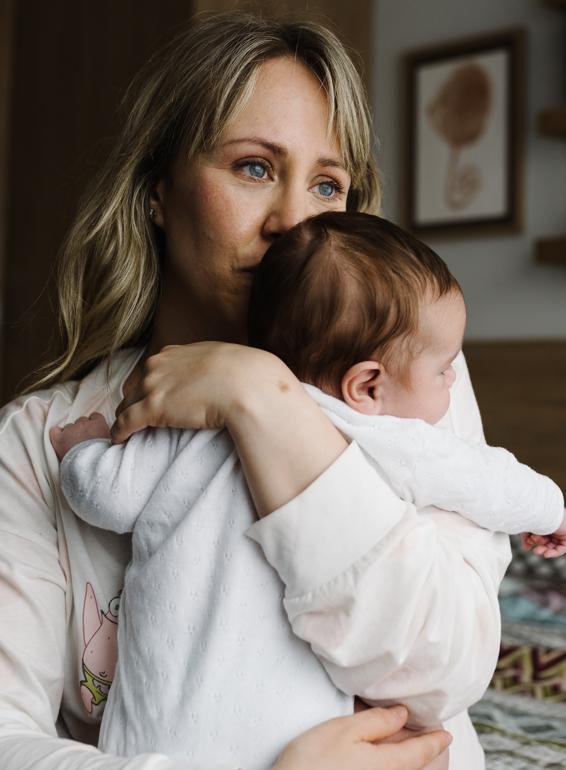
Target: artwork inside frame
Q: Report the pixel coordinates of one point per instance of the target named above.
(465, 138)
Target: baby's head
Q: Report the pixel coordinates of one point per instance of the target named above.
(363, 310)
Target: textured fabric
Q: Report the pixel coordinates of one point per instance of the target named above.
(207, 657)
(536, 671)
(60, 581)
(521, 733)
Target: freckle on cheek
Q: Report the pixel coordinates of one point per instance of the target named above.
(283, 387)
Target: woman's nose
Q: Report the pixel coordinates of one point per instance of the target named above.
(287, 209)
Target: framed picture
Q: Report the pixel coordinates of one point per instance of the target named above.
(465, 135)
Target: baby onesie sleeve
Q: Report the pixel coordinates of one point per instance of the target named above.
(108, 485)
(433, 467)
(399, 607)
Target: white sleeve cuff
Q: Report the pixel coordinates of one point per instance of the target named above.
(332, 524)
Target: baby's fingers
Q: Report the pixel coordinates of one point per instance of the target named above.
(554, 550)
(531, 542)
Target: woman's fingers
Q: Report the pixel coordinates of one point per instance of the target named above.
(130, 420)
(375, 724)
(414, 753)
(355, 743)
(378, 724)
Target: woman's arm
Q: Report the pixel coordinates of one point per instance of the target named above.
(272, 420)
(409, 615)
(401, 606)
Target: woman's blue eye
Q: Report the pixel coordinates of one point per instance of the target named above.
(326, 189)
(256, 170)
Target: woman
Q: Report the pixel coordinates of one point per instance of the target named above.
(241, 129)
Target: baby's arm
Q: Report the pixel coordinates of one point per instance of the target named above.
(549, 546)
(109, 485)
(486, 484)
(430, 466)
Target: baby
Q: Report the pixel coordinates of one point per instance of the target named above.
(372, 316)
(373, 320)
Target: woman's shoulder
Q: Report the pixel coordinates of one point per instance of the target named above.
(100, 390)
(25, 421)
(29, 468)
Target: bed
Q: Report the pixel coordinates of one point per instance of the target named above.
(521, 720)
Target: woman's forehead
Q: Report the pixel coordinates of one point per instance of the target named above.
(286, 106)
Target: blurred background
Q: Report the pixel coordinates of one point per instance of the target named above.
(64, 66)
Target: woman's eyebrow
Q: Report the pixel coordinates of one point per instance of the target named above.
(280, 151)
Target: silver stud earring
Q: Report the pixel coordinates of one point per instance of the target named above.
(152, 214)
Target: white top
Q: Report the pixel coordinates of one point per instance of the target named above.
(345, 535)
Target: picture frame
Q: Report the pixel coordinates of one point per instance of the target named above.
(464, 148)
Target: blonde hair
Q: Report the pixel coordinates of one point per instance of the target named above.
(180, 102)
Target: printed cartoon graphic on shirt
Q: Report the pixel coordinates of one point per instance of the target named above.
(100, 633)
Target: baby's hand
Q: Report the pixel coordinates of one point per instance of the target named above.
(83, 429)
(549, 546)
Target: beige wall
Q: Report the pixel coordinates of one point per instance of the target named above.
(509, 295)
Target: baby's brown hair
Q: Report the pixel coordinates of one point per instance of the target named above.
(341, 288)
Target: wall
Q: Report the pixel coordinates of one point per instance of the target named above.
(508, 295)
(70, 63)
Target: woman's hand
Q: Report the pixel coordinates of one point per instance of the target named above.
(190, 386)
(353, 743)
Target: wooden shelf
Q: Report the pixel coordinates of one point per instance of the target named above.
(552, 122)
(551, 251)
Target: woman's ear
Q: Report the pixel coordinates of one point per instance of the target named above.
(156, 195)
(362, 387)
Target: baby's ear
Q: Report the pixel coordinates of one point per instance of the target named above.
(362, 387)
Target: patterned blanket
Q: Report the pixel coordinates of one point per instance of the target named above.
(521, 720)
